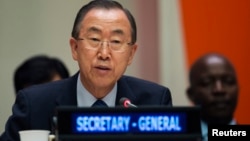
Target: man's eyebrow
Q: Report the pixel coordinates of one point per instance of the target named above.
(94, 29)
(118, 31)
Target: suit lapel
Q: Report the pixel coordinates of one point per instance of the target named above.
(68, 96)
(123, 90)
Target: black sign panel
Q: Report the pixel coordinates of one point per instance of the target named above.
(118, 123)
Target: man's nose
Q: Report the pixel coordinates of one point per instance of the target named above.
(104, 50)
(104, 45)
(218, 86)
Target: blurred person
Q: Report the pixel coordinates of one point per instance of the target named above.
(214, 87)
(103, 42)
(39, 69)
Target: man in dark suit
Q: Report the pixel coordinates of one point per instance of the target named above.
(103, 43)
(214, 87)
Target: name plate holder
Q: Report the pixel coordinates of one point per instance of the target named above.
(122, 124)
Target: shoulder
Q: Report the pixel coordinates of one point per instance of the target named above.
(50, 89)
(145, 92)
(143, 86)
(140, 82)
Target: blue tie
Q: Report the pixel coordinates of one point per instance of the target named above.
(99, 103)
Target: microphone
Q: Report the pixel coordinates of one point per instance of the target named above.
(125, 102)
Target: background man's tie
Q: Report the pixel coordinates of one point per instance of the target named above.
(99, 103)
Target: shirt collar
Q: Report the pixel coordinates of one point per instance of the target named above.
(86, 99)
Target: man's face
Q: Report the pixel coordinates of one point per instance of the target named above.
(215, 88)
(101, 67)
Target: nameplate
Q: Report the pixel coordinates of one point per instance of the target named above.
(129, 123)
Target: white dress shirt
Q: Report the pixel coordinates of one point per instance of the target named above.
(86, 99)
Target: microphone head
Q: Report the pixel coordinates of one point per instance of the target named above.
(124, 102)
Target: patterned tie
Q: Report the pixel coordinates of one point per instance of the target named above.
(99, 103)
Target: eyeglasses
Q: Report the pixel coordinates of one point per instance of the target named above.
(114, 45)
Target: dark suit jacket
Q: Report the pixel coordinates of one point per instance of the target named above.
(35, 106)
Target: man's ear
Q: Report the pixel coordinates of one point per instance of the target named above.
(190, 94)
(73, 46)
(132, 53)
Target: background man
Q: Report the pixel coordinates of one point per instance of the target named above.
(214, 87)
